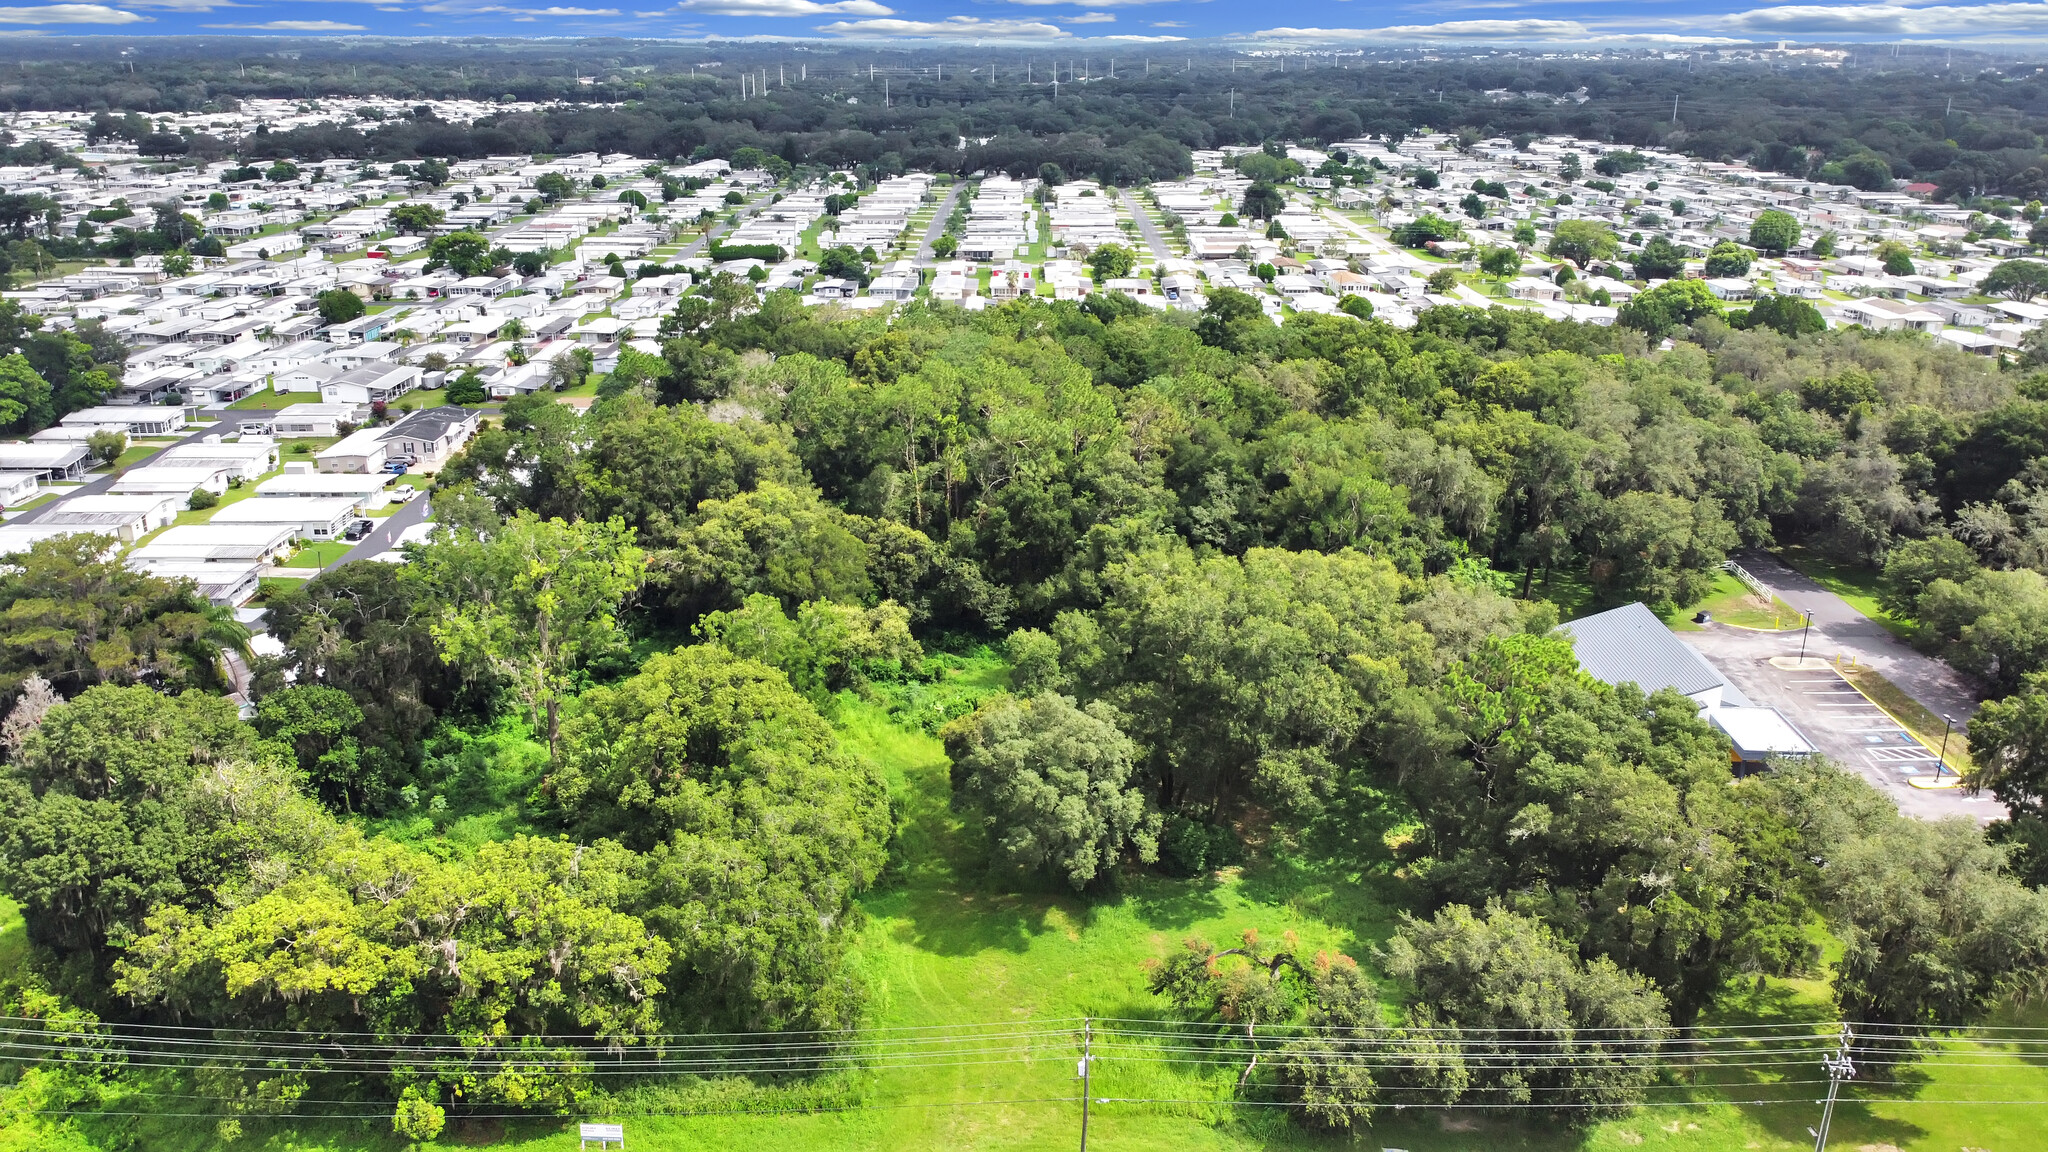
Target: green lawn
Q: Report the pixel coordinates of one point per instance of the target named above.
(269, 585)
(231, 496)
(270, 401)
(946, 943)
(37, 501)
(420, 399)
(304, 447)
(319, 554)
(1731, 602)
(135, 454)
(1859, 587)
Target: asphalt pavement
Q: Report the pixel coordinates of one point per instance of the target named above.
(102, 483)
(937, 227)
(384, 536)
(1838, 627)
(1829, 711)
(1153, 237)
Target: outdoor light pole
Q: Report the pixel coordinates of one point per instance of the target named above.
(1941, 760)
(1803, 630)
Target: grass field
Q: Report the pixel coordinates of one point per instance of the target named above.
(319, 554)
(134, 454)
(947, 943)
(1731, 602)
(1859, 587)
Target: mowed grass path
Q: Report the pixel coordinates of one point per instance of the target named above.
(947, 944)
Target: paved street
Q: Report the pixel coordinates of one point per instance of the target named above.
(1161, 250)
(937, 227)
(1839, 628)
(385, 535)
(99, 484)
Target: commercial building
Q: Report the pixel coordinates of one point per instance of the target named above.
(1629, 645)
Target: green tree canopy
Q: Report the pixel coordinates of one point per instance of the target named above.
(760, 831)
(417, 218)
(1051, 783)
(1667, 307)
(72, 613)
(464, 253)
(339, 305)
(534, 600)
(1262, 201)
(1774, 231)
(1537, 1025)
(1728, 259)
(1110, 262)
(2016, 279)
(1582, 241)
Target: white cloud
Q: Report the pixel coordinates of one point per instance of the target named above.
(70, 14)
(1526, 29)
(1169, 24)
(1889, 19)
(786, 7)
(529, 13)
(1491, 31)
(1145, 39)
(1091, 4)
(1092, 18)
(183, 5)
(951, 28)
(295, 26)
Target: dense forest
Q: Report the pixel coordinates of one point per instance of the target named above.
(1960, 123)
(1279, 591)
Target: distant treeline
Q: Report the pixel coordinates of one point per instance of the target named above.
(1967, 127)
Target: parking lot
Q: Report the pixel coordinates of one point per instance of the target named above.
(1836, 718)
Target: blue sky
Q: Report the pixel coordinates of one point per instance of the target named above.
(1142, 25)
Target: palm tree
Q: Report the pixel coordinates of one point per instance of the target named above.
(199, 640)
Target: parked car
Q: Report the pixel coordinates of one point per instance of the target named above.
(357, 530)
(402, 493)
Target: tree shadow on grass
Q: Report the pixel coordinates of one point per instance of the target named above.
(962, 921)
(1172, 905)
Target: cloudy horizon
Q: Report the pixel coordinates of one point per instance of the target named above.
(1310, 24)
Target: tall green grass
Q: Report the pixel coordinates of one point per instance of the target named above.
(945, 940)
